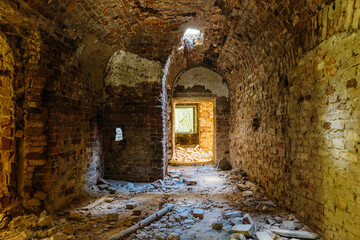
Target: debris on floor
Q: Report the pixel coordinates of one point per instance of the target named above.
(216, 205)
(224, 164)
(192, 155)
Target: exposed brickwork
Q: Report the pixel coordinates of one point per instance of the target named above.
(35, 114)
(43, 62)
(7, 127)
(29, 116)
(293, 101)
(73, 151)
(281, 164)
(222, 128)
(132, 24)
(324, 132)
(137, 111)
(206, 124)
(257, 128)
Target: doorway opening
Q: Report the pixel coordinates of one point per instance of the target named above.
(193, 140)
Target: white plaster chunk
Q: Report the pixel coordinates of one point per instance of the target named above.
(204, 77)
(125, 68)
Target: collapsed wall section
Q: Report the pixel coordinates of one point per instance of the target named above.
(133, 103)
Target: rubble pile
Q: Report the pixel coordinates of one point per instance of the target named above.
(192, 155)
(171, 226)
(206, 204)
(172, 182)
(32, 226)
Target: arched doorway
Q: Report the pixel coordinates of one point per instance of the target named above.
(200, 117)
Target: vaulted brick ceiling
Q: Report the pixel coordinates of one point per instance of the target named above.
(152, 28)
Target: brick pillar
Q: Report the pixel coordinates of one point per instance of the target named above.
(35, 140)
(7, 125)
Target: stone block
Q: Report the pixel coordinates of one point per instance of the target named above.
(247, 193)
(217, 225)
(246, 229)
(174, 236)
(242, 187)
(85, 227)
(184, 215)
(68, 229)
(6, 144)
(248, 220)
(21, 222)
(32, 204)
(59, 236)
(131, 205)
(199, 213)
(75, 216)
(111, 217)
(45, 222)
(137, 212)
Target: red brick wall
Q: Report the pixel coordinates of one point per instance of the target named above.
(137, 111)
(26, 139)
(73, 146)
(7, 158)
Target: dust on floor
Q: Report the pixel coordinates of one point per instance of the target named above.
(208, 204)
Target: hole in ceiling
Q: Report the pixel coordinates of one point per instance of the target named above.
(192, 37)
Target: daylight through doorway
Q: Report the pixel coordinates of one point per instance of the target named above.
(193, 131)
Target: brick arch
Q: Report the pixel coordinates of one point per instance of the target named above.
(187, 85)
(7, 149)
(152, 28)
(214, 73)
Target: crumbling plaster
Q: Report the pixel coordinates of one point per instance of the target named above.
(129, 69)
(204, 77)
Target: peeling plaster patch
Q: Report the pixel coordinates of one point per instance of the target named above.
(204, 77)
(129, 69)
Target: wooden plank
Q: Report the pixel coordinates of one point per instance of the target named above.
(263, 236)
(295, 234)
(95, 203)
(155, 216)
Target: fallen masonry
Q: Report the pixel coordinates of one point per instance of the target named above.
(214, 208)
(246, 229)
(143, 223)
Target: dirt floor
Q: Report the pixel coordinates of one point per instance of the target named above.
(217, 193)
